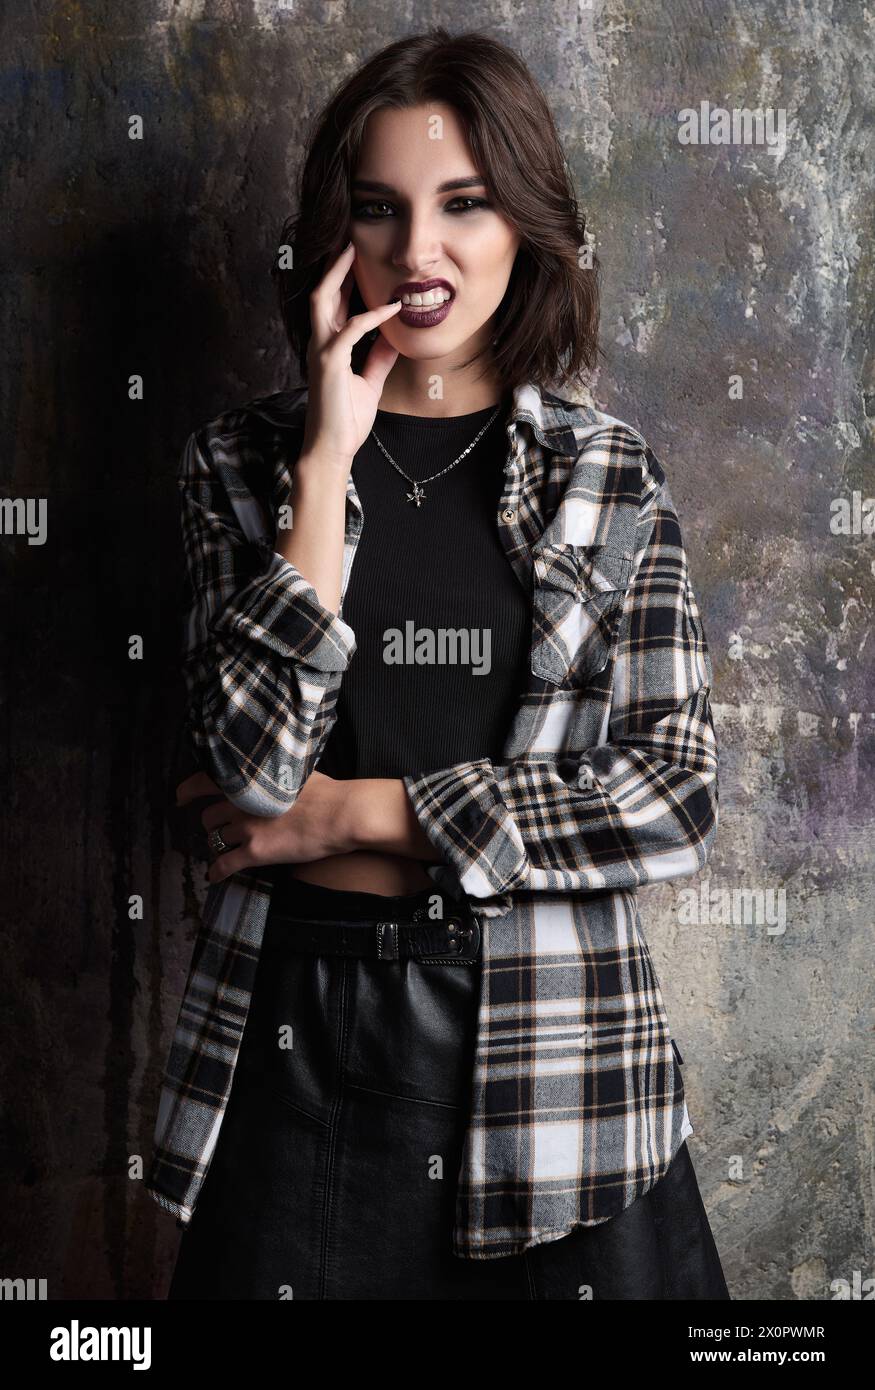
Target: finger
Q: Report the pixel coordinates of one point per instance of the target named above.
(199, 784)
(339, 317)
(217, 814)
(360, 324)
(324, 296)
(228, 864)
(337, 271)
(379, 363)
(343, 302)
(232, 838)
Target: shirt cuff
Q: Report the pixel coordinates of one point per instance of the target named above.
(461, 811)
(280, 609)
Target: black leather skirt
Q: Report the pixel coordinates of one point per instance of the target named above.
(334, 1170)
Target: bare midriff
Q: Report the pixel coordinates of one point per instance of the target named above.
(365, 871)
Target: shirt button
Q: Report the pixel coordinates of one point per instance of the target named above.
(508, 514)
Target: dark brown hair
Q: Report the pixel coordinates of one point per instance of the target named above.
(546, 326)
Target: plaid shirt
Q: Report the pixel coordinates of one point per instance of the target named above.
(608, 781)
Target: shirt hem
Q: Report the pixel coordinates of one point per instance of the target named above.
(527, 1240)
(182, 1213)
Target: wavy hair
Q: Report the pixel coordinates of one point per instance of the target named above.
(546, 326)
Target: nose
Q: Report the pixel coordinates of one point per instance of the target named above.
(417, 248)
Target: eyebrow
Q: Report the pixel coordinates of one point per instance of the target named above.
(374, 186)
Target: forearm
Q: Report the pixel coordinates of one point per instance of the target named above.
(651, 813)
(377, 814)
(262, 653)
(314, 542)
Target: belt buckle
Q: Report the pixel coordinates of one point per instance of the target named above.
(463, 936)
(464, 942)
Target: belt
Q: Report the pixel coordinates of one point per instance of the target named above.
(453, 941)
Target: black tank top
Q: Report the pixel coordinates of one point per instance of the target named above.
(431, 582)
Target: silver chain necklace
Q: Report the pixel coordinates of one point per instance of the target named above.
(417, 496)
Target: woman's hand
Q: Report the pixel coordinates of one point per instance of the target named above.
(313, 829)
(342, 406)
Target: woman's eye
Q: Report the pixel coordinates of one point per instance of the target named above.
(369, 212)
(365, 209)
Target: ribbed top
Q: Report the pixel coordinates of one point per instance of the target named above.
(418, 570)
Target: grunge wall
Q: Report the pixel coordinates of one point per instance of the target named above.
(737, 318)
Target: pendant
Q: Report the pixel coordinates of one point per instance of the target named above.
(417, 495)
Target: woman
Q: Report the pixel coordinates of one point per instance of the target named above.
(423, 1053)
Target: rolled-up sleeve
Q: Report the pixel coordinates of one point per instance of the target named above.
(641, 806)
(279, 609)
(262, 656)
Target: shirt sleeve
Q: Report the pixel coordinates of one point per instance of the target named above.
(262, 657)
(638, 808)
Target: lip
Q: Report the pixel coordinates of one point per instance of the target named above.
(423, 318)
(420, 287)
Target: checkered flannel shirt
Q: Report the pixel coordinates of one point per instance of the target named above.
(608, 781)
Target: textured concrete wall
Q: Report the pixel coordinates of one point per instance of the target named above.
(723, 264)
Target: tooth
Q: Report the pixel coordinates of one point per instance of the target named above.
(427, 300)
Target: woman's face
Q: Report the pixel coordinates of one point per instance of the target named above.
(421, 212)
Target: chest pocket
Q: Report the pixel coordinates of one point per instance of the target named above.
(577, 599)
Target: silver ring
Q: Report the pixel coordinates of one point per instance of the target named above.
(216, 843)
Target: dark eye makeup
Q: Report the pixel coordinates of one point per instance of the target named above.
(363, 210)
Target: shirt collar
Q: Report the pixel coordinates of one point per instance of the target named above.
(552, 414)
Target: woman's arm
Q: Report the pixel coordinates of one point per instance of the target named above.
(639, 808)
(262, 654)
(376, 813)
(264, 648)
(314, 545)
